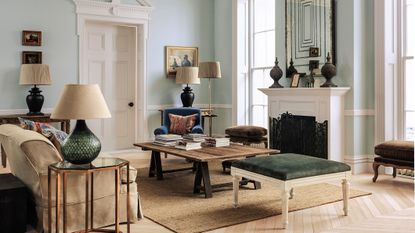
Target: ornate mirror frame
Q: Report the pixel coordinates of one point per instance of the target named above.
(308, 46)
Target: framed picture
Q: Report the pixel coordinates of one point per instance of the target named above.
(32, 38)
(180, 56)
(295, 80)
(31, 57)
(314, 52)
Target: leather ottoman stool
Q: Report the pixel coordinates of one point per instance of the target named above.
(248, 135)
(396, 154)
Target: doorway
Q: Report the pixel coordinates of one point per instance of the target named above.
(110, 60)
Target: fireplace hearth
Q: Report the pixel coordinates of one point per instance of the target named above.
(299, 134)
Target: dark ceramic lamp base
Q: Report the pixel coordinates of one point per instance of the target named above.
(81, 146)
(35, 101)
(187, 97)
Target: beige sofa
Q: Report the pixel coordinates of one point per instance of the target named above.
(29, 154)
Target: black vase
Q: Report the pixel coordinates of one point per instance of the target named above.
(187, 97)
(81, 146)
(35, 101)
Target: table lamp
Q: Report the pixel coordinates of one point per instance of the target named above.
(187, 75)
(81, 102)
(35, 74)
(209, 70)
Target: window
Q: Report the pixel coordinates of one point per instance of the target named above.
(261, 29)
(409, 64)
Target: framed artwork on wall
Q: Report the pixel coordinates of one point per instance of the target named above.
(32, 38)
(295, 80)
(177, 56)
(31, 57)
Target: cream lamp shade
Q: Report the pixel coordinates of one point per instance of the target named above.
(209, 70)
(35, 74)
(187, 75)
(81, 101)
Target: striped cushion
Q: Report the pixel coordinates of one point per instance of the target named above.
(181, 124)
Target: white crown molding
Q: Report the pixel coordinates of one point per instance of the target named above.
(114, 8)
(359, 112)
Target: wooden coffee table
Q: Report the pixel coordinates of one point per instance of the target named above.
(200, 159)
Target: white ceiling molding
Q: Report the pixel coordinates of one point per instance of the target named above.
(114, 8)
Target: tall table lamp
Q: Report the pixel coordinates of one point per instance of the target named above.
(35, 74)
(209, 70)
(187, 75)
(81, 102)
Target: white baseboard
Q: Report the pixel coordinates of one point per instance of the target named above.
(360, 163)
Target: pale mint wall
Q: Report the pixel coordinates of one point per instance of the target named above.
(222, 88)
(176, 23)
(57, 21)
(355, 68)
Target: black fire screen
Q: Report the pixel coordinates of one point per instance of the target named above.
(299, 134)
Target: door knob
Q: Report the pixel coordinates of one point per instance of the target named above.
(131, 104)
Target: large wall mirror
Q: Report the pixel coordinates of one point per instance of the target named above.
(310, 33)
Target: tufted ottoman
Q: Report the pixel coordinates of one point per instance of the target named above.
(288, 171)
(396, 154)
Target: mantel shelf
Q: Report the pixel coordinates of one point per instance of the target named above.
(330, 91)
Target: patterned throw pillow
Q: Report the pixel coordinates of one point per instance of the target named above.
(181, 124)
(54, 135)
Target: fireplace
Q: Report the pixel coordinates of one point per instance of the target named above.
(298, 134)
(325, 104)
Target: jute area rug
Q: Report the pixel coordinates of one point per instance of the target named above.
(171, 202)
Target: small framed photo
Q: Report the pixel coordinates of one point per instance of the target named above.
(295, 80)
(313, 64)
(31, 57)
(314, 52)
(180, 56)
(32, 38)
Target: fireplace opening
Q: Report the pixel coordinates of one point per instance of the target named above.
(299, 134)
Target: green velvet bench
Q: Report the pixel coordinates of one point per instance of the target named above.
(396, 154)
(288, 171)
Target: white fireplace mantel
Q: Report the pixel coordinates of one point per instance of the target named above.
(323, 103)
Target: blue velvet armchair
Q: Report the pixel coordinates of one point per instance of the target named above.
(164, 129)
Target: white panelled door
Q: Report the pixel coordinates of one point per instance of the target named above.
(110, 61)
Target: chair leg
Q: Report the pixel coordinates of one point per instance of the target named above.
(394, 172)
(346, 193)
(375, 170)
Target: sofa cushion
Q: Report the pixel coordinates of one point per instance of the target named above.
(400, 150)
(54, 135)
(246, 131)
(290, 166)
(181, 124)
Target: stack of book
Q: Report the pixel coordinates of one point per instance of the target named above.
(216, 142)
(167, 139)
(195, 137)
(188, 145)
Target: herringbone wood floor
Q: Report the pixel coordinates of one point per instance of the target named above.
(389, 209)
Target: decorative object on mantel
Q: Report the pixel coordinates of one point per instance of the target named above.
(81, 102)
(295, 80)
(276, 74)
(32, 38)
(328, 71)
(187, 75)
(291, 69)
(179, 57)
(35, 74)
(210, 70)
(310, 79)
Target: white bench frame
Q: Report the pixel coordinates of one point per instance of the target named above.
(288, 186)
